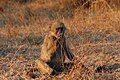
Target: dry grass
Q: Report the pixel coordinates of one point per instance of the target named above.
(93, 35)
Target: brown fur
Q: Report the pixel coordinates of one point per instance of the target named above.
(54, 50)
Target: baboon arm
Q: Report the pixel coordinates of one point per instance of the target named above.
(43, 67)
(67, 52)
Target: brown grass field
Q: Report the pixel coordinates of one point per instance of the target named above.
(93, 34)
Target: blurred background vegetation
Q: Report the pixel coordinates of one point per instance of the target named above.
(93, 35)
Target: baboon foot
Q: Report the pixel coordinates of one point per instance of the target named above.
(43, 67)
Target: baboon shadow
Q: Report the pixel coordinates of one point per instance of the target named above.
(105, 68)
(64, 69)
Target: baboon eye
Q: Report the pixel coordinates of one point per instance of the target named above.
(54, 38)
(57, 29)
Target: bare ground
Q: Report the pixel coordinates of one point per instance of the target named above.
(93, 36)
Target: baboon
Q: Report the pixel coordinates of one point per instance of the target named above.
(54, 50)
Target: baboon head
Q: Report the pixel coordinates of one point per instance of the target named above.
(58, 29)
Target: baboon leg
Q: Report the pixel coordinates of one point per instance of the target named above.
(43, 67)
(68, 65)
